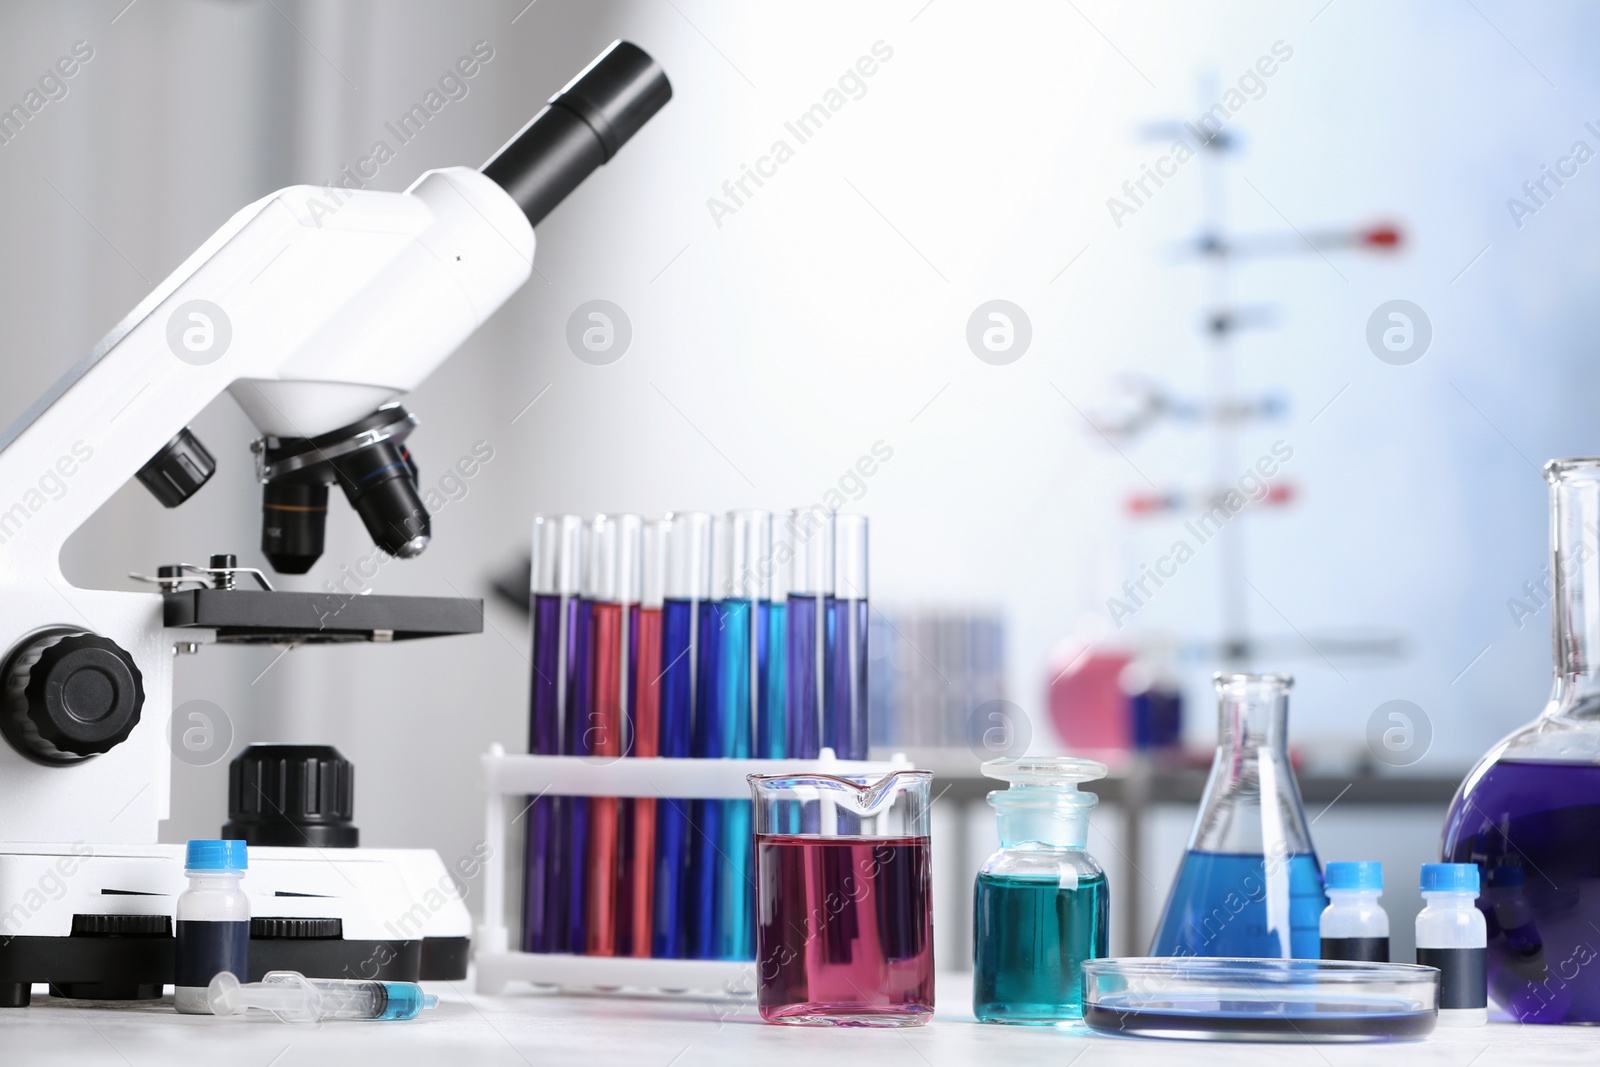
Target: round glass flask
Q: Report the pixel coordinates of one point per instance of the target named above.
(1526, 813)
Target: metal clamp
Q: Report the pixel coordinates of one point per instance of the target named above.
(219, 575)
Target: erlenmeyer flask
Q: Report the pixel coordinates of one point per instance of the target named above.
(1249, 884)
(1527, 813)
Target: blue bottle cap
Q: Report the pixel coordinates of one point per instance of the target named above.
(215, 856)
(1450, 878)
(1364, 875)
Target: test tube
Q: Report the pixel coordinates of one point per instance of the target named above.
(845, 727)
(772, 657)
(688, 584)
(576, 738)
(747, 592)
(644, 697)
(557, 566)
(613, 563)
(810, 582)
(630, 585)
(710, 742)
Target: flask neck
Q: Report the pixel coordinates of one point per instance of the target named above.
(1251, 803)
(1253, 716)
(1575, 578)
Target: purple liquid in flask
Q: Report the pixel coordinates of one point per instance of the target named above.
(1527, 813)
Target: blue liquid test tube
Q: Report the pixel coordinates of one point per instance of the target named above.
(845, 724)
(810, 588)
(557, 565)
(710, 742)
(688, 584)
(747, 595)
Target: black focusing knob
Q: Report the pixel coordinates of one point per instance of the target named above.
(121, 925)
(274, 928)
(296, 795)
(177, 472)
(70, 695)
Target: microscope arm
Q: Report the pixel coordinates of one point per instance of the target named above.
(312, 307)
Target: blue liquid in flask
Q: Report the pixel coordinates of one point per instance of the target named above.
(1228, 904)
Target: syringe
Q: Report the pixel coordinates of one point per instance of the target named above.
(294, 998)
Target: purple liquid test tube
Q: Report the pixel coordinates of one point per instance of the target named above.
(577, 736)
(688, 585)
(845, 725)
(711, 741)
(557, 564)
(810, 586)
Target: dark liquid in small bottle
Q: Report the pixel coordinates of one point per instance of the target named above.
(206, 949)
(1359, 949)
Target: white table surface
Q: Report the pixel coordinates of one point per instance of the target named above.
(545, 1029)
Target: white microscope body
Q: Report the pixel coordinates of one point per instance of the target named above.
(312, 307)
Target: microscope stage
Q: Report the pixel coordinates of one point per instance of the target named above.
(260, 617)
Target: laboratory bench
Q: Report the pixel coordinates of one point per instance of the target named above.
(544, 1030)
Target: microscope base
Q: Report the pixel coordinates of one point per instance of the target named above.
(95, 922)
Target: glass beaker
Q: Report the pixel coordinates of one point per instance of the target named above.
(844, 912)
(1527, 813)
(1249, 884)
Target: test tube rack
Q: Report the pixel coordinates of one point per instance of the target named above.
(511, 779)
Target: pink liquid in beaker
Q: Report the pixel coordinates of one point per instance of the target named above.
(844, 930)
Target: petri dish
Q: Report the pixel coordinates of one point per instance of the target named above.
(1223, 999)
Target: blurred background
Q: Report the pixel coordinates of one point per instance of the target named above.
(1199, 262)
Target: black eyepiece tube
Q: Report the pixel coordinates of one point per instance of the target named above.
(581, 128)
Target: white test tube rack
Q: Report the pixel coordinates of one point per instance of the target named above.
(512, 779)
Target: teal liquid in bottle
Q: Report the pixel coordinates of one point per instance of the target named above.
(1033, 934)
(1041, 905)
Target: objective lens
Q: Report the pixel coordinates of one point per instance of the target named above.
(379, 483)
(293, 519)
(370, 462)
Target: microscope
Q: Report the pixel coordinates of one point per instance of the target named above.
(315, 309)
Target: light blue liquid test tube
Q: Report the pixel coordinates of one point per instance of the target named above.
(747, 587)
(772, 657)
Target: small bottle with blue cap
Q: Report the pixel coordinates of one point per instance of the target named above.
(1452, 936)
(213, 923)
(1354, 924)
